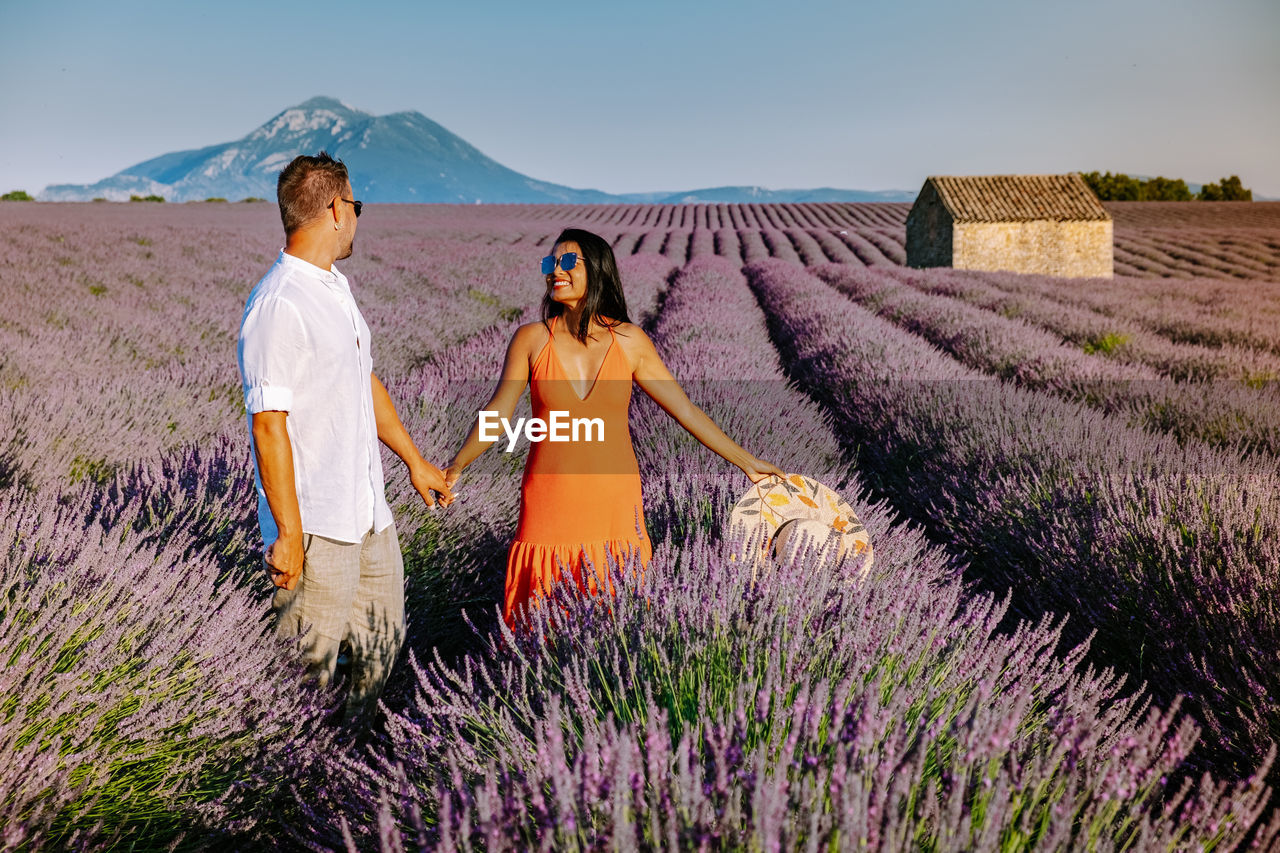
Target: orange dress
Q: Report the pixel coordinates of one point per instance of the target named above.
(578, 498)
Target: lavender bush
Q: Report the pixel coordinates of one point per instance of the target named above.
(1182, 255)
(146, 706)
(779, 246)
(1207, 312)
(1097, 331)
(698, 709)
(873, 715)
(133, 317)
(1141, 539)
(1223, 412)
(144, 698)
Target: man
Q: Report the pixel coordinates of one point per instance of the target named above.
(316, 413)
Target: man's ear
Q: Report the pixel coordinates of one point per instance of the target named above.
(335, 213)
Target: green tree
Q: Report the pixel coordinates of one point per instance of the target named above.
(159, 198)
(1228, 189)
(1165, 189)
(1121, 187)
(17, 195)
(1117, 187)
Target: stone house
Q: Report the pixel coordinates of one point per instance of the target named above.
(1044, 224)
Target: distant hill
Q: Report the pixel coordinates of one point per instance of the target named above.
(401, 157)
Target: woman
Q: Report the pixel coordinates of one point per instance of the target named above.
(581, 498)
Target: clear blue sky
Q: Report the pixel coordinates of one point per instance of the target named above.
(663, 95)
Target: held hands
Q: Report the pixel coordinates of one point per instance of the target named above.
(284, 559)
(428, 479)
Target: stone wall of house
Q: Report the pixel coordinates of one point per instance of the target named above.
(1071, 249)
(928, 231)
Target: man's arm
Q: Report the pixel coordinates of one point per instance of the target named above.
(425, 477)
(275, 468)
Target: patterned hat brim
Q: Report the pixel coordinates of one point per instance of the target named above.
(773, 502)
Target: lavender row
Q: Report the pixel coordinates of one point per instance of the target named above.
(1097, 331)
(133, 321)
(708, 216)
(1159, 547)
(1223, 413)
(1244, 216)
(811, 246)
(1200, 255)
(1207, 313)
(196, 513)
(807, 713)
(700, 709)
(145, 698)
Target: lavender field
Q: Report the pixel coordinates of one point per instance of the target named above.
(1069, 638)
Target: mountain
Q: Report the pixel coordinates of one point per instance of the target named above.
(401, 157)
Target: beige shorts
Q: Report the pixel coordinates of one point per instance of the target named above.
(352, 593)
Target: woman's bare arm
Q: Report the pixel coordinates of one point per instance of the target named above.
(515, 377)
(655, 380)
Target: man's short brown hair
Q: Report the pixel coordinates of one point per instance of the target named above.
(306, 186)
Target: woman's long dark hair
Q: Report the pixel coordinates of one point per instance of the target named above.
(604, 301)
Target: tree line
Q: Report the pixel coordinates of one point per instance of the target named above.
(1122, 187)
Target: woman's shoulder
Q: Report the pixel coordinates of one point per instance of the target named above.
(528, 341)
(628, 330)
(634, 342)
(531, 336)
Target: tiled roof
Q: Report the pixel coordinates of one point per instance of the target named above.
(1019, 198)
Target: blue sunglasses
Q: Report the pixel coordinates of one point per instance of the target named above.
(568, 261)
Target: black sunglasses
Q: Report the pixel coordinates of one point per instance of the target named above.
(568, 261)
(356, 204)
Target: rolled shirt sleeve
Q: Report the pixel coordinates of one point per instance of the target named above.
(271, 348)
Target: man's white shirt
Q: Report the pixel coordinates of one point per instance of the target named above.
(304, 349)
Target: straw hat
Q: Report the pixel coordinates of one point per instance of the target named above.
(786, 513)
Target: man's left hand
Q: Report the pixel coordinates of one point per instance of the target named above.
(428, 479)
